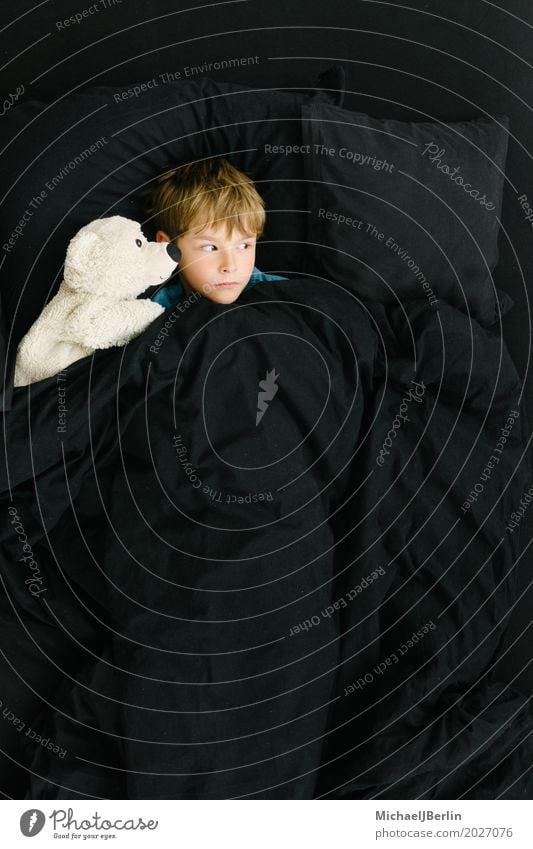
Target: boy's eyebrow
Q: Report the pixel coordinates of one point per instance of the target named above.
(209, 235)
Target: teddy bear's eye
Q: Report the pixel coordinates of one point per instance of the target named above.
(138, 243)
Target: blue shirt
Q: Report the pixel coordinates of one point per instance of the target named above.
(170, 294)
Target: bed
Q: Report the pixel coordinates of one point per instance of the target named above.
(198, 604)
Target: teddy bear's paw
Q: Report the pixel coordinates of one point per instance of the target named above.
(155, 308)
(144, 313)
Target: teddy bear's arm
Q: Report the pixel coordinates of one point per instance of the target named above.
(103, 325)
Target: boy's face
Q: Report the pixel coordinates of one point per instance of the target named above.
(213, 263)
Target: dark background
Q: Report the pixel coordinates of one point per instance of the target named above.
(446, 59)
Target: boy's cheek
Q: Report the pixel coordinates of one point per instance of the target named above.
(207, 291)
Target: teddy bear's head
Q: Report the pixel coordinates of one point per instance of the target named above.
(112, 257)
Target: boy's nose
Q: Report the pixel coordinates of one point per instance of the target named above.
(227, 262)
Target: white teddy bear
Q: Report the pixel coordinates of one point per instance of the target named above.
(109, 262)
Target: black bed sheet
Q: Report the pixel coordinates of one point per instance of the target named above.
(334, 640)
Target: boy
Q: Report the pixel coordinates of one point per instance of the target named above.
(214, 214)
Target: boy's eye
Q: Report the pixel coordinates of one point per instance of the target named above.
(207, 248)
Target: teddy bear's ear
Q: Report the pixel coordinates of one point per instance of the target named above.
(79, 250)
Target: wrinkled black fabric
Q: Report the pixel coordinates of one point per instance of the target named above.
(167, 655)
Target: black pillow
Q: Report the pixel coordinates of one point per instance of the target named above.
(92, 154)
(406, 210)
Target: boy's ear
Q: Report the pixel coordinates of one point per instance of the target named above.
(161, 236)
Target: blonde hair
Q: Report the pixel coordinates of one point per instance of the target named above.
(198, 195)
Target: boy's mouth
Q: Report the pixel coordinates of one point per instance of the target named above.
(222, 285)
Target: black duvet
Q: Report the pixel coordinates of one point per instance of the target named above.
(266, 551)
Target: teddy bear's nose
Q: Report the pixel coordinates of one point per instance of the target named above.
(173, 252)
